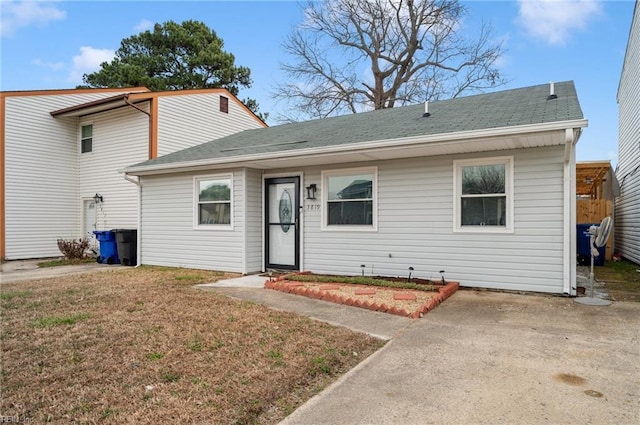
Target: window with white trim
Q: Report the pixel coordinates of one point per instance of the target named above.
(484, 194)
(213, 205)
(86, 138)
(349, 199)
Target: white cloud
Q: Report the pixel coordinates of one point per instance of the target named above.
(88, 61)
(18, 14)
(54, 66)
(143, 25)
(554, 20)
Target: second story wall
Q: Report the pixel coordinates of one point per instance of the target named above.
(120, 138)
(40, 172)
(187, 119)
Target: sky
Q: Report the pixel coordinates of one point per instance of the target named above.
(51, 44)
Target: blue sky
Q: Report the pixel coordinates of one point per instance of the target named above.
(51, 44)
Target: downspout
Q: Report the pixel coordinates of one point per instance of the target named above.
(139, 225)
(569, 285)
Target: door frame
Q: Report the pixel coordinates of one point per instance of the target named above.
(83, 221)
(298, 179)
(93, 242)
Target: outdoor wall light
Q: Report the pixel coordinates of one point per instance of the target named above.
(311, 191)
(97, 198)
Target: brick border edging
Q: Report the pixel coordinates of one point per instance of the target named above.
(297, 288)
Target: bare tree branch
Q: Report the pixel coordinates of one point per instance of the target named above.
(354, 55)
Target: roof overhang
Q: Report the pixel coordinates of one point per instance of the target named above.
(101, 105)
(494, 139)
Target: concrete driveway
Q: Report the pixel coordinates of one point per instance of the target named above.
(492, 358)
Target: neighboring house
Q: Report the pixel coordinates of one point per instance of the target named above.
(61, 149)
(627, 215)
(482, 187)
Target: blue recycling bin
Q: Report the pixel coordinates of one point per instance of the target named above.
(584, 246)
(108, 247)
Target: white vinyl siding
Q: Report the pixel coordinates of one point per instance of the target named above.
(191, 119)
(168, 236)
(42, 202)
(120, 138)
(627, 207)
(254, 221)
(415, 211)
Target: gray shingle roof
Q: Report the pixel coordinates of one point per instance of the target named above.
(506, 108)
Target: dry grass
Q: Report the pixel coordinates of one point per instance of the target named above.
(145, 346)
(621, 278)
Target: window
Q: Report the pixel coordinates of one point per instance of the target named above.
(213, 202)
(86, 138)
(483, 191)
(224, 104)
(349, 199)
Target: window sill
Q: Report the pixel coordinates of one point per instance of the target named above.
(213, 227)
(483, 230)
(347, 228)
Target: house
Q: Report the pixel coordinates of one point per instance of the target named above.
(61, 151)
(482, 187)
(627, 215)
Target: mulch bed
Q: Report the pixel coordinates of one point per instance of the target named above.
(401, 302)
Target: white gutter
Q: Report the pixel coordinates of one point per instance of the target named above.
(138, 237)
(431, 140)
(569, 284)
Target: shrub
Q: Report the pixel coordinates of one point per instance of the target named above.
(73, 249)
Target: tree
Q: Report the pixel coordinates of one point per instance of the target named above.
(173, 57)
(354, 55)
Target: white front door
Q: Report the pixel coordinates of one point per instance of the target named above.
(89, 217)
(282, 231)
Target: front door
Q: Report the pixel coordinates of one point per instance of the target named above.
(89, 207)
(282, 232)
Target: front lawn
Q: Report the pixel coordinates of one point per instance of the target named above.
(144, 346)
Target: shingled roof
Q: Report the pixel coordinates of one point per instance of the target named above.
(508, 108)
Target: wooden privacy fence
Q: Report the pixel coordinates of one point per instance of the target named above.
(593, 211)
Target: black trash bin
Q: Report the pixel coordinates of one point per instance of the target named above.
(584, 246)
(126, 240)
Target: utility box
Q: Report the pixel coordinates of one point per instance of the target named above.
(126, 240)
(108, 247)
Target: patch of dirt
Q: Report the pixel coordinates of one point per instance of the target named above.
(145, 346)
(570, 379)
(416, 281)
(381, 295)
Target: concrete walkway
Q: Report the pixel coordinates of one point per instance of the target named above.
(381, 325)
(15, 271)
